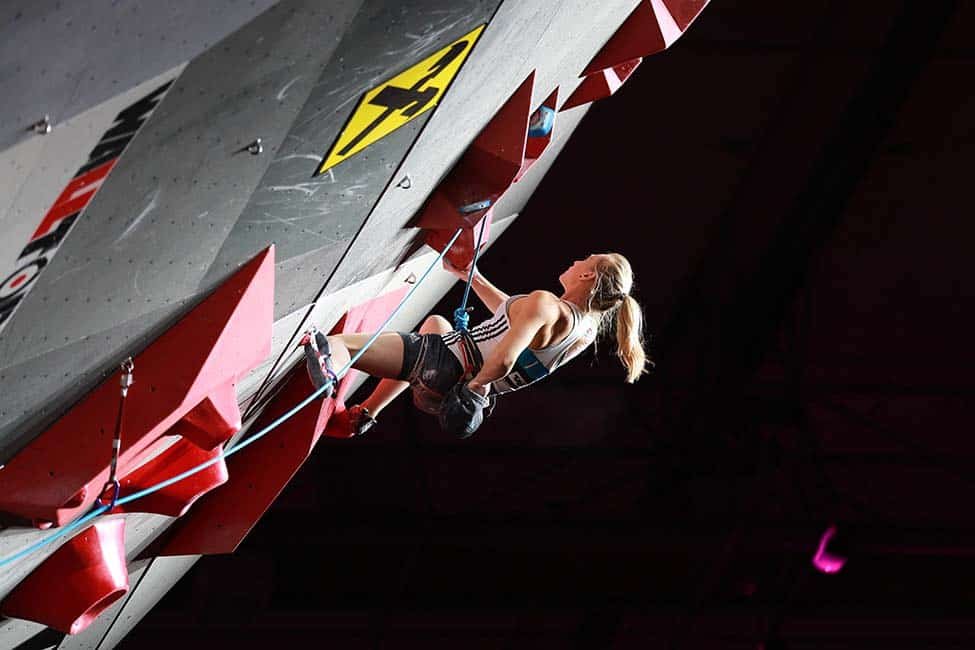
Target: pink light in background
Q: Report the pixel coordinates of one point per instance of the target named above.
(823, 560)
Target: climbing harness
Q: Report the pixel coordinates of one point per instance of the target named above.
(112, 485)
(473, 362)
(241, 444)
(461, 410)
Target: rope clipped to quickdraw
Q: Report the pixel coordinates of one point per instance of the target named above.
(233, 448)
(113, 486)
(462, 314)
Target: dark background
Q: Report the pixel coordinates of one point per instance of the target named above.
(791, 183)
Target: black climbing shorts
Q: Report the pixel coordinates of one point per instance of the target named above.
(430, 367)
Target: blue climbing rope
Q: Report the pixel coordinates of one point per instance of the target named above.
(461, 315)
(234, 448)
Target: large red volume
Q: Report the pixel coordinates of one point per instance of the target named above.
(184, 384)
(601, 84)
(486, 170)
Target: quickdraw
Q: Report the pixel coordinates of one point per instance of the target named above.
(112, 486)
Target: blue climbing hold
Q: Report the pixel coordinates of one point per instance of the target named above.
(540, 124)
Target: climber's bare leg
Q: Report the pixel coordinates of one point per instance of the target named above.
(389, 388)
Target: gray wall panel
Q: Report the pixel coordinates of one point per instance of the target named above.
(38, 389)
(150, 234)
(14, 631)
(16, 166)
(41, 168)
(61, 58)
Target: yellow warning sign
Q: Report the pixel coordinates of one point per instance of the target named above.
(392, 104)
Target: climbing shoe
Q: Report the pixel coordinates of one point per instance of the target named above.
(318, 361)
(354, 421)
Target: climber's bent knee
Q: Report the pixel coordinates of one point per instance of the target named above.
(435, 324)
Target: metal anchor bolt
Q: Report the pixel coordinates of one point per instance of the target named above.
(405, 183)
(256, 147)
(42, 126)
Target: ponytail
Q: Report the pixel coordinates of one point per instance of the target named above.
(629, 338)
(611, 300)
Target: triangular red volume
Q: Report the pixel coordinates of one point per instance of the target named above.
(601, 84)
(685, 11)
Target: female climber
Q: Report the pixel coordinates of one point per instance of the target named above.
(454, 374)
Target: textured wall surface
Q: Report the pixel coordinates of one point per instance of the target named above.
(62, 58)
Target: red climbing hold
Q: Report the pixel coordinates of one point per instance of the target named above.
(601, 84)
(77, 582)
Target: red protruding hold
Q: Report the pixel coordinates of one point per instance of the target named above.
(184, 378)
(214, 420)
(685, 11)
(461, 254)
(77, 582)
(536, 146)
(175, 499)
(486, 169)
(221, 520)
(601, 84)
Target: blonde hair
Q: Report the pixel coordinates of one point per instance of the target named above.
(610, 297)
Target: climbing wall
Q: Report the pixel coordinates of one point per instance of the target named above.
(257, 141)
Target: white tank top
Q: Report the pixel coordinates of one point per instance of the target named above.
(531, 365)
